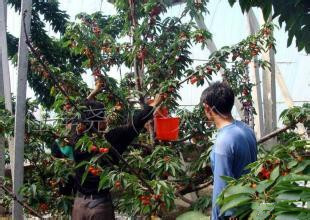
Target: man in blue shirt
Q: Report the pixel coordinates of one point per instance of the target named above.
(235, 144)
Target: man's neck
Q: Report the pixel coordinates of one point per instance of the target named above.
(221, 122)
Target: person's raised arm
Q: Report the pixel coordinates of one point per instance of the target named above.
(122, 136)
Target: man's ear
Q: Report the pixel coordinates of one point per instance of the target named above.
(206, 108)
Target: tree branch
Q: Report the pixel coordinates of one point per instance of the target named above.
(13, 196)
(273, 134)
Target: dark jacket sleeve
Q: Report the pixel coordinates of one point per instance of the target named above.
(55, 151)
(122, 136)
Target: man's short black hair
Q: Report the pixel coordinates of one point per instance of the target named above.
(219, 96)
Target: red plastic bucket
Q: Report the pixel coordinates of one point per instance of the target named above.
(167, 129)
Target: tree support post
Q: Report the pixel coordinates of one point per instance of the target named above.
(2, 140)
(5, 82)
(257, 93)
(4, 56)
(269, 95)
(278, 75)
(20, 113)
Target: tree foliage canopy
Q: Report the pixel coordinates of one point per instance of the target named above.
(295, 14)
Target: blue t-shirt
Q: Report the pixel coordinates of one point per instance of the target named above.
(234, 148)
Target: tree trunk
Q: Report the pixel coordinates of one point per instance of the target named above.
(19, 129)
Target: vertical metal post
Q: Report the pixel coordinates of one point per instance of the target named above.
(253, 27)
(269, 96)
(19, 128)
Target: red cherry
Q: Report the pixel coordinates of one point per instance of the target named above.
(183, 36)
(97, 73)
(157, 197)
(155, 11)
(118, 106)
(93, 149)
(104, 150)
(264, 173)
(200, 38)
(43, 207)
(209, 70)
(96, 31)
(91, 168)
(117, 184)
(245, 92)
(67, 107)
(193, 79)
(142, 53)
(171, 89)
(167, 159)
(80, 128)
(165, 95)
(94, 171)
(146, 202)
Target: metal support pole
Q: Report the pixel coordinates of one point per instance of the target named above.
(269, 96)
(19, 129)
(5, 83)
(4, 56)
(279, 78)
(2, 140)
(256, 93)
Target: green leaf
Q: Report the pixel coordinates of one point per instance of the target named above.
(275, 173)
(227, 178)
(301, 166)
(84, 176)
(295, 177)
(104, 181)
(81, 164)
(263, 185)
(292, 164)
(287, 217)
(232, 2)
(231, 190)
(193, 215)
(305, 196)
(238, 201)
(288, 196)
(267, 8)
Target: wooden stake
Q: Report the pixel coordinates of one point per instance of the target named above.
(19, 128)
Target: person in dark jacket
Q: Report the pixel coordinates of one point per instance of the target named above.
(90, 203)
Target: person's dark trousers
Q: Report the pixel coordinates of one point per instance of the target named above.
(93, 208)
